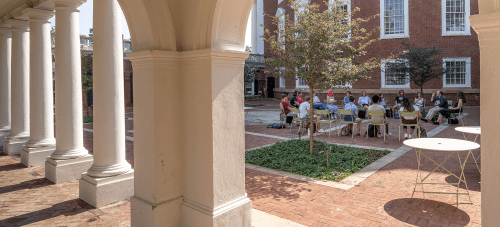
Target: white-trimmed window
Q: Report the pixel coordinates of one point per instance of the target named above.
(392, 76)
(346, 7)
(394, 19)
(279, 1)
(455, 17)
(280, 13)
(304, 3)
(459, 72)
(299, 82)
(282, 79)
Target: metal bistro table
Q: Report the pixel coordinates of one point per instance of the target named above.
(454, 146)
(472, 130)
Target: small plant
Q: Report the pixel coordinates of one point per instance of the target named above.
(293, 156)
(88, 119)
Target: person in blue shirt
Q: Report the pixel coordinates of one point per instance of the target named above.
(346, 98)
(354, 108)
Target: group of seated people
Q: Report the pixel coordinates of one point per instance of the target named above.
(376, 103)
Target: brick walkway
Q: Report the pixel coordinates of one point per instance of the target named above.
(383, 199)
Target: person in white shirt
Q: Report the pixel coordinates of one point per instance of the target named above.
(354, 108)
(376, 119)
(317, 103)
(305, 112)
(364, 100)
(407, 106)
(382, 100)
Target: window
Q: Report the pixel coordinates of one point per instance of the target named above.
(455, 17)
(300, 83)
(280, 13)
(392, 76)
(394, 19)
(346, 7)
(282, 79)
(459, 74)
(279, 1)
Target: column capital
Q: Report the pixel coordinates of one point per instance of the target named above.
(18, 24)
(71, 4)
(5, 32)
(39, 14)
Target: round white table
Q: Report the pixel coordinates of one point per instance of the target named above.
(453, 146)
(472, 130)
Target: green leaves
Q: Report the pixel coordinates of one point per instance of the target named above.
(293, 156)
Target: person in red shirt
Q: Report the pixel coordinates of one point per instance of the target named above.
(284, 102)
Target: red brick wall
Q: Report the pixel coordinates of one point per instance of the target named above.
(127, 69)
(424, 29)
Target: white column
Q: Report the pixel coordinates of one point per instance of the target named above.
(260, 29)
(70, 159)
(255, 25)
(42, 141)
(5, 55)
(20, 109)
(109, 112)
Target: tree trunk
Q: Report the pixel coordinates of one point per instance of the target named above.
(311, 126)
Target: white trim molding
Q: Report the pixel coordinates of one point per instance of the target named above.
(466, 7)
(406, 23)
(382, 76)
(467, 61)
(282, 78)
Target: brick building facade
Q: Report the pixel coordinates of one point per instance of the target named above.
(422, 25)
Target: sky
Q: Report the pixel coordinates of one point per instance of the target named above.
(86, 16)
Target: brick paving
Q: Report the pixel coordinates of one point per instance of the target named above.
(383, 199)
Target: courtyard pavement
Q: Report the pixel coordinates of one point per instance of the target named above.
(382, 199)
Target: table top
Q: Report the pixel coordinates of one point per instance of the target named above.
(441, 144)
(469, 129)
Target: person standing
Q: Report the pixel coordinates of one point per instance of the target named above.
(440, 102)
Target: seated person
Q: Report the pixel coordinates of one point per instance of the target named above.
(306, 112)
(317, 103)
(300, 99)
(330, 100)
(440, 102)
(376, 119)
(364, 100)
(284, 103)
(346, 98)
(397, 102)
(382, 100)
(457, 107)
(419, 101)
(408, 107)
(294, 102)
(351, 106)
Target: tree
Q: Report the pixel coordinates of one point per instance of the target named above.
(87, 77)
(323, 48)
(421, 63)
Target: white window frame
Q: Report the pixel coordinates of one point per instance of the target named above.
(443, 20)
(297, 81)
(467, 68)
(382, 75)
(281, 14)
(301, 9)
(406, 33)
(348, 3)
(279, 1)
(282, 79)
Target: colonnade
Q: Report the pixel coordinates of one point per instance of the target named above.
(26, 99)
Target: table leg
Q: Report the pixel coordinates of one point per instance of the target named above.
(462, 175)
(419, 173)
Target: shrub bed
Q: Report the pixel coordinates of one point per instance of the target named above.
(293, 156)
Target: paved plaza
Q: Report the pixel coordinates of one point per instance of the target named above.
(382, 198)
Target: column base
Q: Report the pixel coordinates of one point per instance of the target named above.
(3, 135)
(13, 146)
(234, 213)
(165, 213)
(99, 192)
(36, 156)
(60, 171)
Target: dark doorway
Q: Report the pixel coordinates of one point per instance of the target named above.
(270, 87)
(90, 98)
